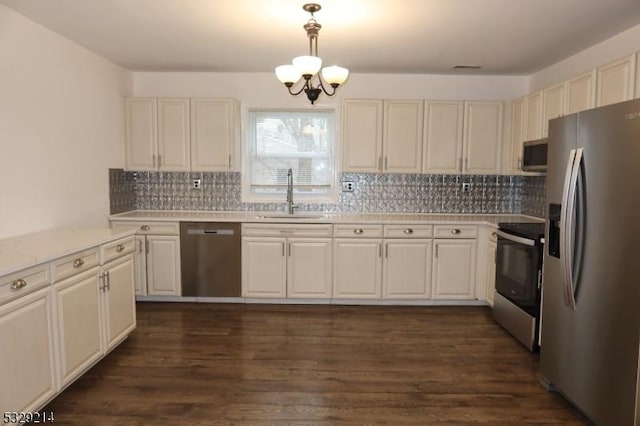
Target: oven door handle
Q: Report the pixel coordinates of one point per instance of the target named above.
(516, 239)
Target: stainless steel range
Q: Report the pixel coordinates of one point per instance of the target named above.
(519, 280)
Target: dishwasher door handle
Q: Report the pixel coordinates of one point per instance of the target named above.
(210, 232)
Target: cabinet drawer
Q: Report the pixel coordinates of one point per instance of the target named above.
(72, 264)
(455, 231)
(288, 230)
(22, 282)
(149, 228)
(408, 231)
(357, 231)
(115, 249)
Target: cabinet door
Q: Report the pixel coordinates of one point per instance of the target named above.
(454, 266)
(309, 268)
(443, 126)
(119, 305)
(534, 116)
(140, 266)
(362, 136)
(264, 267)
(141, 133)
(402, 141)
(616, 81)
(581, 93)
(553, 106)
(78, 315)
(482, 137)
(173, 134)
(163, 265)
(27, 370)
(491, 271)
(518, 132)
(213, 134)
(407, 269)
(357, 269)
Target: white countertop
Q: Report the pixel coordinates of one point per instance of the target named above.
(22, 251)
(317, 217)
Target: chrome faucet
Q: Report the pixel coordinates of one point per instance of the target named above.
(290, 204)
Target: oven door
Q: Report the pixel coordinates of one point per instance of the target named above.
(518, 271)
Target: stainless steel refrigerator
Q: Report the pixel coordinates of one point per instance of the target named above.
(591, 289)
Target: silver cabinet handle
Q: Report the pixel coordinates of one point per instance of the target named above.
(108, 281)
(358, 231)
(145, 227)
(386, 163)
(159, 160)
(78, 263)
(141, 250)
(120, 247)
(18, 284)
(408, 231)
(154, 160)
(455, 231)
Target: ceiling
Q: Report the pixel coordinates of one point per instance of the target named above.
(382, 36)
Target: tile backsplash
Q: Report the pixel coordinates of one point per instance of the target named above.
(374, 193)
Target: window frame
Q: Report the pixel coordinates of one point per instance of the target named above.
(248, 195)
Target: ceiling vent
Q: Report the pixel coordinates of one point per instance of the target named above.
(466, 67)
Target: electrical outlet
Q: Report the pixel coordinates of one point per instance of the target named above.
(348, 186)
(466, 187)
(197, 184)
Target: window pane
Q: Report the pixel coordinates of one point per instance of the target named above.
(302, 141)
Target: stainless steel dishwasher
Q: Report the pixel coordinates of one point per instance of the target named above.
(210, 255)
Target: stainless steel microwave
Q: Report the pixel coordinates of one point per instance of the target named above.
(534, 156)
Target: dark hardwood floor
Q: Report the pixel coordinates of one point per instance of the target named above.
(203, 364)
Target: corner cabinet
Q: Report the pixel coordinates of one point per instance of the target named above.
(382, 136)
(290, 260)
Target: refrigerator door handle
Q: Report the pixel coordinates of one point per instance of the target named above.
(571, 229)
(564, 219)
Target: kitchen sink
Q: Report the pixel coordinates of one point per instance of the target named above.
(300, 216)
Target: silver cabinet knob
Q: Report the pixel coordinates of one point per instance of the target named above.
(455, 231)
(18, 284)
(120, 247)
(358, 231)
(408, 231)
(145, 227)
(78, 263)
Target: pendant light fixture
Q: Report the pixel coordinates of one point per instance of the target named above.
(309, 66)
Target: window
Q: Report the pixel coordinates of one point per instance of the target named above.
(281, 140)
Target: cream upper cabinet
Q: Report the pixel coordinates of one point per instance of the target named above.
(518, 132)
(382, 136)
(27, 375)
(581, 92)
(534, 116)
(141, 133)
(362, 135)
(402, 141)
(553, 105)
(482, 147)
(214, 134)
(443, 128)
(616, 81)
(157, 134)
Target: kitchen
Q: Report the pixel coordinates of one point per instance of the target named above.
(75, 132)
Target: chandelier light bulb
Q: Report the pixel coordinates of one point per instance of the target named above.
(287, 74)
(335, 75)
(307, 65)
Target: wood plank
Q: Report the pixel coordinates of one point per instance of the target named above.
(200, 364)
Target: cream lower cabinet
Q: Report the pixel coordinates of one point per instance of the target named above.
(118, 300)
(407, 262)
(27, 348)
(286, 261)
(156, 257)
(357, 261)
(491, 267)
(454, 262)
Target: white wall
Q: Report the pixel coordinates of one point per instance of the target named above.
(61, 128)
(264, 90)
(606, 51)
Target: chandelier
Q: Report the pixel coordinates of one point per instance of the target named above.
(309, 66)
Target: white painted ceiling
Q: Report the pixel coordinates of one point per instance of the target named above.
(366, 36)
